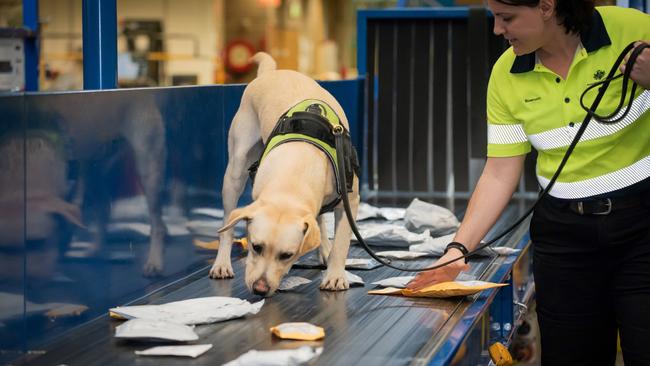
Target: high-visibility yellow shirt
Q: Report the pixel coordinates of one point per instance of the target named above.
(528, 104)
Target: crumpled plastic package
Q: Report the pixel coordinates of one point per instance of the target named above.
(390, 234)
(396, 282)
(433, 246)
(353, 279)
(284, 357)
(291, 282)
(193, 350)
(155, 330)
(203, 310)
(422, 216)
(367, 211)
(441, 290)
(402, 254)
(436, 247)
(361, 263)
(391, 213)
(299, 331)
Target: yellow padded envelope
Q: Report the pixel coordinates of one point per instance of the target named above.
(298, 331)
(441, 290)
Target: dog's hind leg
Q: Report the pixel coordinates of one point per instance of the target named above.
(244, 147)
(146, 135)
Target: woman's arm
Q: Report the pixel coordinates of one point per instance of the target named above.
(493, 192)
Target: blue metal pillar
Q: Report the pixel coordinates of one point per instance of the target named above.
(100, 44)
(30, 22)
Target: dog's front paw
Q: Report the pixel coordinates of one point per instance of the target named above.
(335, 281)
(221, 270)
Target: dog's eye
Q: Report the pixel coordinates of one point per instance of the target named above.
(257, 248)
(285, 256)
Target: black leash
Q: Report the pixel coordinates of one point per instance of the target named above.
(591, 112)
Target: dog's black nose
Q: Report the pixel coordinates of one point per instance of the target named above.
(260, 293)
(261, 287)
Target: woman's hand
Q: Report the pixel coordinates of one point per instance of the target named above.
(641, 69)
(492, 193)
(442, 274)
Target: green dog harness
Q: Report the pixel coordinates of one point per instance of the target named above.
(312, 121)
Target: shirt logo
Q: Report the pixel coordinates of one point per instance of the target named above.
(599, 74)
(532, 99)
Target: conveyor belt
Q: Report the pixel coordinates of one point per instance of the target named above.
(361, 329)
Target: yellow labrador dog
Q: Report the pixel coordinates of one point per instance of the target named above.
(293, 182)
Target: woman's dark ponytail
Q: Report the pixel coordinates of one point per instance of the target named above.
(575, 15)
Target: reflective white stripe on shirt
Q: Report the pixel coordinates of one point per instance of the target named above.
(598, 185)
(562, 137)
(506, 134)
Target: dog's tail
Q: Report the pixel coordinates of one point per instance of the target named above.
(264, 62)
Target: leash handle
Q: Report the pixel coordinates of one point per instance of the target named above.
(339, 143)
(611, 118)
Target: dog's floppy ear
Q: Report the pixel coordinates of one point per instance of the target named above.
(311, 238)
(238, 214)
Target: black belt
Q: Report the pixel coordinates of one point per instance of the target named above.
(605, 206)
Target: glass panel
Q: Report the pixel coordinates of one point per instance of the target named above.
(12, 226)
(113, 182)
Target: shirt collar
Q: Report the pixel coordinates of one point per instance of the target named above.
(592, 39)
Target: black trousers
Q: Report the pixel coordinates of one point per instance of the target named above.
(592, 280)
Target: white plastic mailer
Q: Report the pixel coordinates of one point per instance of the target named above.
(291, 282)
(390, 234)
(422, 216)
(284, 357)
(203, 310)
(397, 282)
(155, 330)
(193, 350)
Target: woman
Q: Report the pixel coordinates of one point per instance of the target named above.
(591, 236)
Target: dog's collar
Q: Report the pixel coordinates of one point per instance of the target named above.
(312, 121)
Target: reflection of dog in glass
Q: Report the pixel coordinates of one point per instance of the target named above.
(31, 202)
(88, 130)
(292, 184)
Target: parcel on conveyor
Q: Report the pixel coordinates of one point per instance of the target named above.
(441, 290)
(203, 310)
